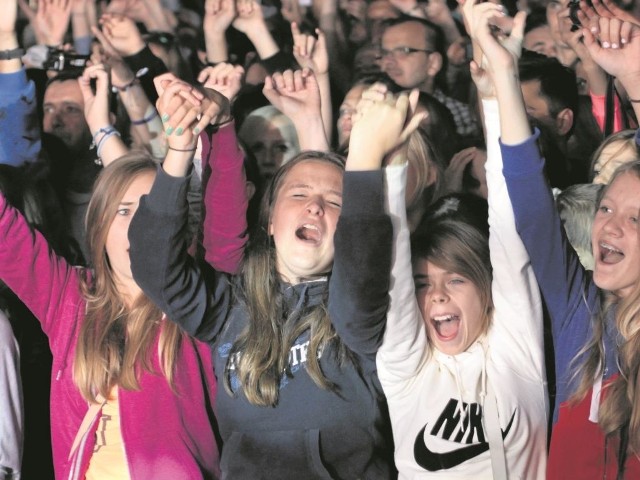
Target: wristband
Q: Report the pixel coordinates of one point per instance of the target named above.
(104, 130)
(222, 124)
(182, 149)
(11, 54)
(124, 88)
(145, 120)
(104, 139)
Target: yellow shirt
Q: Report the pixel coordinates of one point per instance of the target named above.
(108, 461)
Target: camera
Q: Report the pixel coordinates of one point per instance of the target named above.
(60, 60)
(48, 58)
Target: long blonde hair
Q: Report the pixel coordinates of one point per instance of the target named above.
(115, 341)
(260, 354)
(620, 409)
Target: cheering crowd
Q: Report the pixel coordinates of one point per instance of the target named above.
(337, 239)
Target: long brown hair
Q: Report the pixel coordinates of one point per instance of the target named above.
(457, 246)
(620, 408)
(260, 354)
(115, 340)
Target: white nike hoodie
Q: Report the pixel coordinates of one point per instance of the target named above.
(438, 402)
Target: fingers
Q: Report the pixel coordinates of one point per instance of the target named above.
(517, 32)
(625, 32)
(176, 112)
(101, 76)
(161, 82)
(603, 27)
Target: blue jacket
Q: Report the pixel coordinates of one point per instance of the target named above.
(311, 432)
(571, 297)
(20, 140)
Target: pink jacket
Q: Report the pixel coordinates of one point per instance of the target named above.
(167, 435)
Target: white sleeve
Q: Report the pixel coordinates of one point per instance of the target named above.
(405, 338)
(11, 416)
(517, 330)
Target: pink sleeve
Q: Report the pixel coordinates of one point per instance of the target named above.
(598, 109)
(32, 271)
(225, 200)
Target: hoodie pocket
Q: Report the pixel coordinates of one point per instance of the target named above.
(280, 454)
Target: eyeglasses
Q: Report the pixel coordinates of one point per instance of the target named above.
(401, 52)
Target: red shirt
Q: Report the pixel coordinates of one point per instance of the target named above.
(579, 450)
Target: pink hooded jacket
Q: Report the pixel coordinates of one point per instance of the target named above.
(167, 435)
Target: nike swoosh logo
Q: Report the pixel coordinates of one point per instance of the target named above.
(434, 461)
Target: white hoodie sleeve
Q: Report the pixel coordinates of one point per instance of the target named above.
(405, 338)
(516, 335)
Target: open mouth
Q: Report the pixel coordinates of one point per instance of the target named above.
(609, 254)
(309, 233)
(446, 326)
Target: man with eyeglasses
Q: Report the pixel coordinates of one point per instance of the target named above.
(412, 55)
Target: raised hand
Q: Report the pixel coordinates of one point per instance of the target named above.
(218, 15)
(50, 21)
(310, 52)
(623, 62)
(294, 93)
(405, 6)
(291, 11)
(121, 73)
(121, 32)
(297, 95)
(382, 123)
(249, 16)
(455, 171)
(224, 78)
(96, 104)
(96, 112)
(498, 54)
(183, 106)
(606, 9)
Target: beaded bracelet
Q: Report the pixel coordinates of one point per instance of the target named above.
(145, 120)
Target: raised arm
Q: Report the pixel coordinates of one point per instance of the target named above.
(224, 181)
(218, 15)
(196, 297)
(517, 324)
(146, 126)
(554, 263)
(623, 62)
(311, 52)
(96, 110)
(297, 95)
(359, 286)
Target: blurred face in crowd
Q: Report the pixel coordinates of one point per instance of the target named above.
(407, 58)
(64, 115)
(271, 139)
(346, 112)
(540, 40)
(377, 12)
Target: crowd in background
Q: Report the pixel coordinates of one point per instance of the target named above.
(319, 239)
